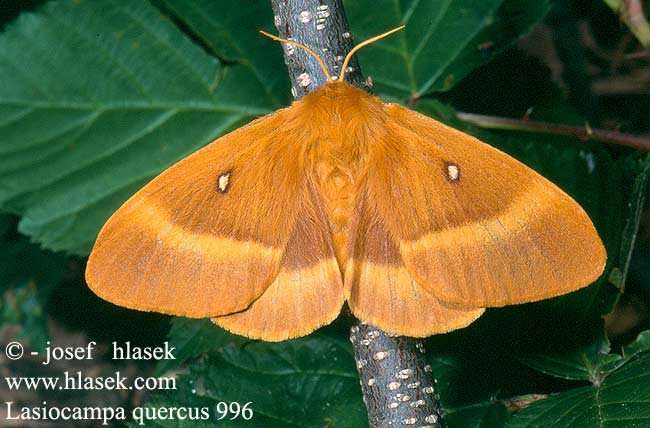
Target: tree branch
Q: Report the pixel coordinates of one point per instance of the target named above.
(322, 26)
(395, 381)
(581, 132)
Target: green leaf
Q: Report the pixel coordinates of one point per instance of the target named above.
(192, 338)
(591, 362)
(451, 382)
(631, 226)
(230, 29)
(640, 344)
(99, 98)
(444, 39)
(299, 383)
(622, 400)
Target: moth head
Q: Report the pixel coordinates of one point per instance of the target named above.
(346, 61)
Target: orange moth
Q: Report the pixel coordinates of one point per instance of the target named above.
(339, 198)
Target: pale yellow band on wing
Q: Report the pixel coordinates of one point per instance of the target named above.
(298, 302)
(143, 261)
(542, 245)
(386, 296)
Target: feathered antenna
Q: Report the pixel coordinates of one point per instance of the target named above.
(347, 59)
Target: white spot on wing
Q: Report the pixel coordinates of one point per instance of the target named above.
(222, 182)
(453, 172)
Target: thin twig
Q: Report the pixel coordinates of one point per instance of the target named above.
(638, 55)
(584, 133)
